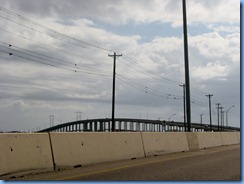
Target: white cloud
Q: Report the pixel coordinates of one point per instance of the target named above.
(213, 11)
(222, 28)
(213, 45)
(213, 70)
(123, 11)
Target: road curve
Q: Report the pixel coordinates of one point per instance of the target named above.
(222, 163)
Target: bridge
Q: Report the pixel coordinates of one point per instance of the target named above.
(133, 125)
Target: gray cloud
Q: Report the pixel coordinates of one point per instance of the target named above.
(122, 11)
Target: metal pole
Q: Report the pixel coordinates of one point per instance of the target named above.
(187, 78)
(184, 104)
(221, 118)
(218, 104)
(227, 122)
(201, 121)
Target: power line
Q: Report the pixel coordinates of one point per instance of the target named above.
(164, 79)
(51, 59)
(147, 90)
(47, 60)
(50, 46)
(51, 30)
(144, 70)
(128, 59)
(52, 65)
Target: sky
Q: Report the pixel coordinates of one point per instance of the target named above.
(54, 60)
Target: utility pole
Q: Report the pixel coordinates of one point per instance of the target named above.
(187, 78)
(201, 121)
(113, 96)
(218, 105)
(184, 104)
(210, 116)
(78, 116)
(51, 120)
(221, 118)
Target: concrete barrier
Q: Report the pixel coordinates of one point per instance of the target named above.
(157, 143)
(200, 140)
(21, 152)
(209, 139)
(229, 138)
(77, 149)
(192, 140)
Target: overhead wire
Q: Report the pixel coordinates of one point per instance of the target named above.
(41, 32)
(50, 46)
(51, 30)
(147, 89)
(197, 102)
(38, 32)
(143, 75)
(52, 65)
(56, 32)
(33, 29)
(141, 70)
(51, 59)
(164, 79)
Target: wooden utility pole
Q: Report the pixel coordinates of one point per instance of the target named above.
(210, 115)
(113, 96)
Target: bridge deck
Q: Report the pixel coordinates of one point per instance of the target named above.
(132, 125)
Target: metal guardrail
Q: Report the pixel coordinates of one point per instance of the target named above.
(131, 125)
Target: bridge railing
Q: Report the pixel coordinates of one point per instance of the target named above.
(131, 125)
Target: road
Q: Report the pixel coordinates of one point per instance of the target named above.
(222, 163)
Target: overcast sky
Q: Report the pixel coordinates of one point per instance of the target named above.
(59, 62)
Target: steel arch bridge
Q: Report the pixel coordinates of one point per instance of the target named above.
(131, 125)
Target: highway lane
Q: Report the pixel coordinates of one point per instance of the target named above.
(222, 163)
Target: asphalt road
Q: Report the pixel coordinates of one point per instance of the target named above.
(222, 163)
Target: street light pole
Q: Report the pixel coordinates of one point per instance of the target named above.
(218, 105)
(221, 118)
(227, 115)
(201, 121)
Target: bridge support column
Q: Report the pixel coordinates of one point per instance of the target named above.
(85, 127)
(95, 126)
(131, 126)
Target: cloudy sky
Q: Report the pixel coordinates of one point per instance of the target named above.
(54, 60)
